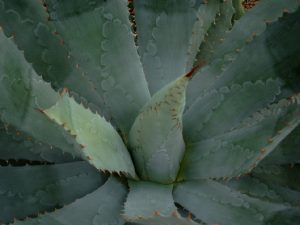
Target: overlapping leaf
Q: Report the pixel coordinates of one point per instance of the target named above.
(240, 150)
(27, 191)
(216, 32)
(252, 42)
(22, 92)
(153, 204)
(215, 203)
(18, 146)
(287, 152)
(165, 59)
(230, 125)
(100, 207)
(155, 138)
(272, 182)
(220, 111)
(43, 47)
(101, 44)
(101, 144)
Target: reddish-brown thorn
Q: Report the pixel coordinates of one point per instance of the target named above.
(64, 91)
(39, 110)
(285, 10)
(156, 213)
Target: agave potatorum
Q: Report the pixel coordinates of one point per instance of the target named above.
(117, 134)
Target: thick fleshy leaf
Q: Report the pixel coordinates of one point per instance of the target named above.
(101, 207)
(17, 145)
(253, 23)
(220, 111)
(256, 188)
(100, 43)
(146, 199)
(206, 16)
(101, 144)
(284, 180)
(274, 54)
(215, 203)
(22, 92)
(155, 138)
(287, 152)
(152, 204)
(238, 8)
(29, 190)
(272, 50)
(286, 217)
(270, 63)
(165, 59)
(240, 150)
(44, 48)
(217, 32)
(274, 183)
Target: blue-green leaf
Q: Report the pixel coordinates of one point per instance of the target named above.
(253, 23)
(216, 32)
(155, 138)
(44, 48)
(215, 203)
(22, 93)
(238, 8)
(101, 144)
(152, 204)
(288, 150)
(29, 190)
(272, 50)
(101, 207)
(17, 145)
(100, 43)
(240, 150)
(165, 59)
(220, 111)
(272, 182)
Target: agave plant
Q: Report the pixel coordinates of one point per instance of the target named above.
(190, 120)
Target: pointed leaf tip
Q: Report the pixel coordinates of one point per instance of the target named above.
(103, 147)
(156, 135)
(195, 69)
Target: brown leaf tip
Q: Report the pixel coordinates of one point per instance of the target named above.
(195, 69)
(285, 10)
(39, 110)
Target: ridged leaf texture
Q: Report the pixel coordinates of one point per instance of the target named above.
(101, 144)
(174, 112)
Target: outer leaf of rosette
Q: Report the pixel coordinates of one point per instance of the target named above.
(101, 144)
(155, 138)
